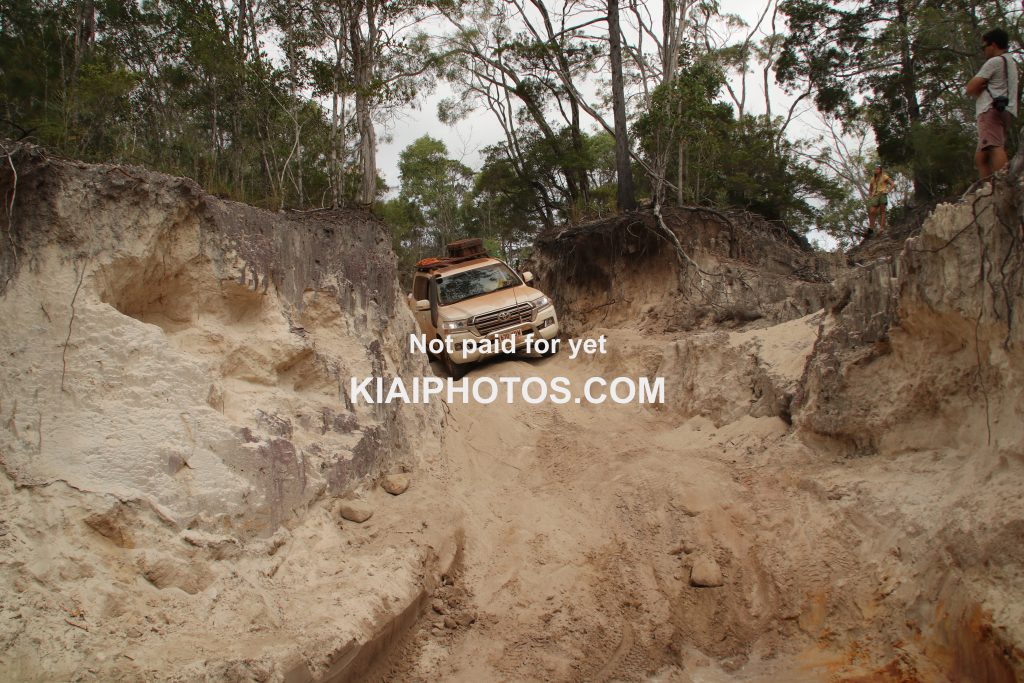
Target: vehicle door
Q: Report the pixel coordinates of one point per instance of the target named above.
(420, 292)
(430, 321)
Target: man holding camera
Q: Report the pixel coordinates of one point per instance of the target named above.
(995, 91)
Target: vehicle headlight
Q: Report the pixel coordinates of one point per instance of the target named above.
(542, 302)
(455, 325)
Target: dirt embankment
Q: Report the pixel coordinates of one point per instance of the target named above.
(622, 272)
(176, 432)
(827, 494)
(920, 364)
(830, 491)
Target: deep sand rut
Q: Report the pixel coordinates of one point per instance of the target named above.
(584, 522)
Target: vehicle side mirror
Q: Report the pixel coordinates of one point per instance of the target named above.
(423, 305)
(528, 277)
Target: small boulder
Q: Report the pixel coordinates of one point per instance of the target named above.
(438, 606)
(355, 510)
(395, 484)
(450, 623)
(705, 572)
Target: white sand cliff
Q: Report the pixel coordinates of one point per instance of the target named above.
(832, 490)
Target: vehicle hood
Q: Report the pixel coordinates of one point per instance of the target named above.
(490, 302)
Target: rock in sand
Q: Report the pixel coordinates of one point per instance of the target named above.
(705, 572)
(396, 484)
(355, 510)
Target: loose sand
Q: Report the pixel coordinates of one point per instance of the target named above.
(583, 523)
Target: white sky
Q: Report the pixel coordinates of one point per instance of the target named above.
(467, 138)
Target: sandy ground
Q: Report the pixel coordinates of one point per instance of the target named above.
(203, 607)
(173, 444)
(576, 533)
(584, 524)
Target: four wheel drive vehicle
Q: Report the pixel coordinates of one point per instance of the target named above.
(475, 304)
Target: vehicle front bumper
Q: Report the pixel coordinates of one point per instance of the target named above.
(543, 326)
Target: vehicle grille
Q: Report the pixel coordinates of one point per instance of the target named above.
(485, 323)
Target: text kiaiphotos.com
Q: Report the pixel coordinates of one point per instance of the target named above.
(557, 390)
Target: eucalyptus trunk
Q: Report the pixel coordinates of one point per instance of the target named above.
(363, 57)
(625, 196)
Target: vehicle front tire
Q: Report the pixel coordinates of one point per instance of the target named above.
(454, 370)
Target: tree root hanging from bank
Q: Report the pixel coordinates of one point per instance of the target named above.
(9, 153)
(71, 321)
(704, 277)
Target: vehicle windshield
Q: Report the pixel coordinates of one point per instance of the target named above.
(469, 283)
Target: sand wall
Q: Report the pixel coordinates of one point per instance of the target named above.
(206, 368)
(175, 431)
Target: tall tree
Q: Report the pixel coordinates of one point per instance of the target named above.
(626, 195)
(900, 65)
(363, 42)
(436, 186)
(544, 69)
(392, 60)
(655, 53)
(333, 77)
(509, 72)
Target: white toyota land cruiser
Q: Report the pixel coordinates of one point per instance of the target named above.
(477, 307)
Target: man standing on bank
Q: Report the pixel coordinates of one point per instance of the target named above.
(879, 188)
(995, 91)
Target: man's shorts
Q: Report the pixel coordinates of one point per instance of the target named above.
(992, 127)
(878, 200)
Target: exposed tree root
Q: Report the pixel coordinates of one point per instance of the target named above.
(67, 340)
(10, 205)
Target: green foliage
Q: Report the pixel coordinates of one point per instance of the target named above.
(746, 162)
(436, 187)
(404, 221)
(431, 206)
(902, 67)
(766, 173)
(844, 219)
(520, 194)
(440, 199)
(686, 112)
(504, 201)
(942, 153)
(187, 87)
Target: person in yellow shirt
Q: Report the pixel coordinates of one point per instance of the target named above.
(878, 197)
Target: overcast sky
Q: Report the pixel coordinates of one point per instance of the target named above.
(467, 138)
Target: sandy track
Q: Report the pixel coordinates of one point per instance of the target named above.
(582, 523)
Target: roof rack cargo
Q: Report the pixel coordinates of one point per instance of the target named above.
(458, 252)
(473, 246)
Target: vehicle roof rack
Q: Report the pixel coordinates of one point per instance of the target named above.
(472, 246)
(432, 263)
(459, 251)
